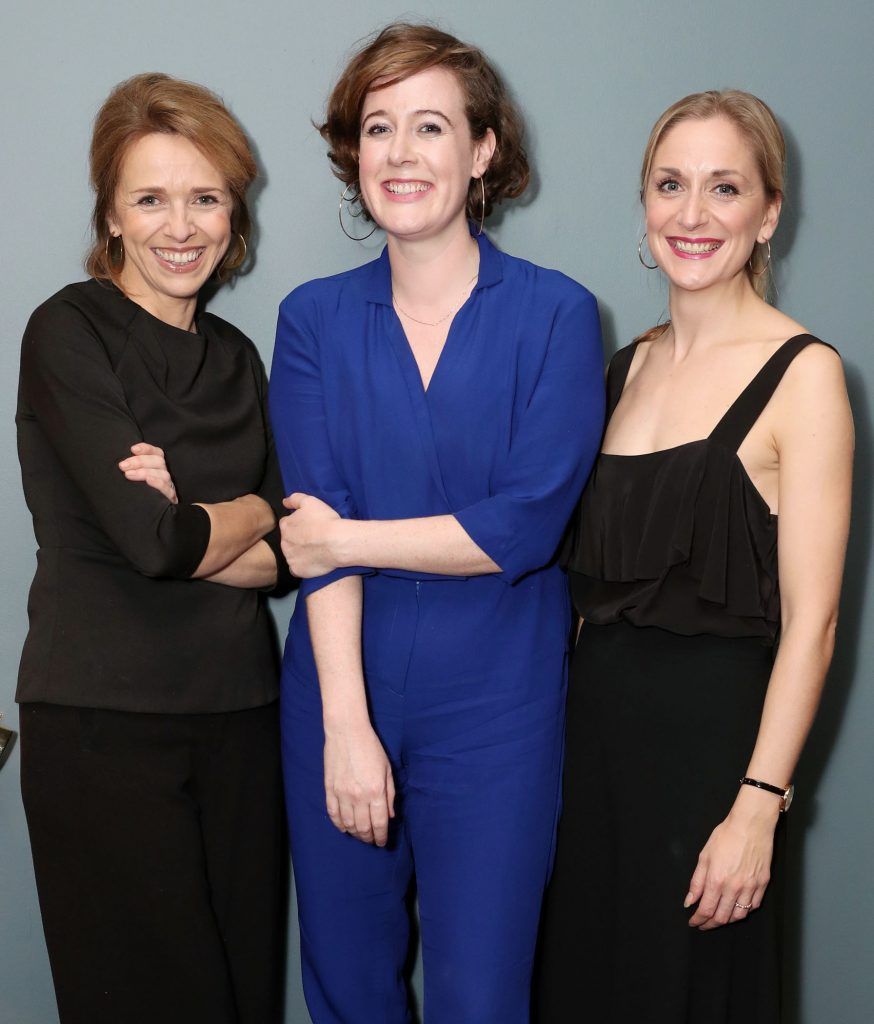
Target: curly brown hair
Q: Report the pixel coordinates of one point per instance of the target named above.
(154, 102)
(401, 50)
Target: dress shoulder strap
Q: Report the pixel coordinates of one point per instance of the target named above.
(749, 405)
(617, 372)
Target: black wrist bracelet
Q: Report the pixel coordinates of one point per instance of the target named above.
(784, 792)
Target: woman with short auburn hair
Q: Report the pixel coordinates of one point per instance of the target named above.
(148, 682)
(435, 414)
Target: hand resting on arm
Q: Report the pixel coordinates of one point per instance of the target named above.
(236, 555)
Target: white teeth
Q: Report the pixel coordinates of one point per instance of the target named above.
(179, 257)
(405, 188)
(693, 248)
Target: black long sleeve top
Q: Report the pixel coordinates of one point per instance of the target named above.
(115, 620)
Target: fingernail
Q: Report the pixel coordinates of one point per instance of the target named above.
(690, 899)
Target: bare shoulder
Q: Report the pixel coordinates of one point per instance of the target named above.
(816, 367)
(812, 398)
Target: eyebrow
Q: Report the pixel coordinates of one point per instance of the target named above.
(158, 189)
(717, 172)
(416, 113)
(434, 113)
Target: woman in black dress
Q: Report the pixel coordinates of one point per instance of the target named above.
(150, 769)
(684, 728)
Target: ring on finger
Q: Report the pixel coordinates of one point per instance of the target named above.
(744, 906)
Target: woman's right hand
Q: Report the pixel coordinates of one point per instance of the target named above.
(359, 787)
(148, 464)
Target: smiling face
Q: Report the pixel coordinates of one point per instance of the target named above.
(706, 205)
(417, 157)
(172, 211)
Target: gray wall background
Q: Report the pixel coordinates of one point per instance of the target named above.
(591, 79)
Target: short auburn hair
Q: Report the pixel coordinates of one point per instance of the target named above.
(398, 52)
(153, 102)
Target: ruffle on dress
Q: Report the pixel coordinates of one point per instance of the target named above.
(669, 518)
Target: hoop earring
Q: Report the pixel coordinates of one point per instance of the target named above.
(482, 216)
(758, 273)
(655, 266)
(231, 263)
(354, 199)
(110, 262)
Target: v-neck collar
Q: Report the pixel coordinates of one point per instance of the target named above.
(376, 286)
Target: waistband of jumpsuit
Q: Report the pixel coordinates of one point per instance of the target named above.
(420, 577)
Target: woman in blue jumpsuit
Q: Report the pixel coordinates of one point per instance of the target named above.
(435, 458)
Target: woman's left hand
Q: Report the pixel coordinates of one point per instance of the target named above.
(306, 536)
(149, 465)
(733, 870)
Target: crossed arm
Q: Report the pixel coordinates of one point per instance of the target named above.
(70, 389)
(236, 556)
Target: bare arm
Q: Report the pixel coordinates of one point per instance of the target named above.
(814, 438)
(437, 544)
(235, 526)
(254, 569)
(359, 788)
(316, 540)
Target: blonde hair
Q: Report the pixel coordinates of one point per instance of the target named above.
(758, 126)
(153, 102)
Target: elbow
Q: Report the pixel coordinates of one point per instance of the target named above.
(516, 565)
(162, 562)
(816, 632)
(173, 546)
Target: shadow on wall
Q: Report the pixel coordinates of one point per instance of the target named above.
(791, 213)
(253, 197)
(827, 727)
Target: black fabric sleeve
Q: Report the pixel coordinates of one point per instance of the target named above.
(68, 384)
(272, 491)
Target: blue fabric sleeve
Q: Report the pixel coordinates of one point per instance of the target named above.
(537, 483)
(297, 414)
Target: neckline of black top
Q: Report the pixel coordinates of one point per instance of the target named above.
(658, 451)
(776, 356)
(702, 441)
(139, 310)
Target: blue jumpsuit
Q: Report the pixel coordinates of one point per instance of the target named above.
(465, 676)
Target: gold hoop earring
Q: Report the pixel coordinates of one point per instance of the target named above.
(655, 266)
(758, 273)
(354, 199)
(231, 263)
(110, 262)
(482, 216)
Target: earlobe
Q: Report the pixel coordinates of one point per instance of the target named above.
(111, 223)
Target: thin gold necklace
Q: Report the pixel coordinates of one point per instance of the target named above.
(433, 323)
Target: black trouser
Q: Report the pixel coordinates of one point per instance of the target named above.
(159, 850)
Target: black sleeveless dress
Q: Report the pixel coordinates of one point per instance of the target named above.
(674, 569)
